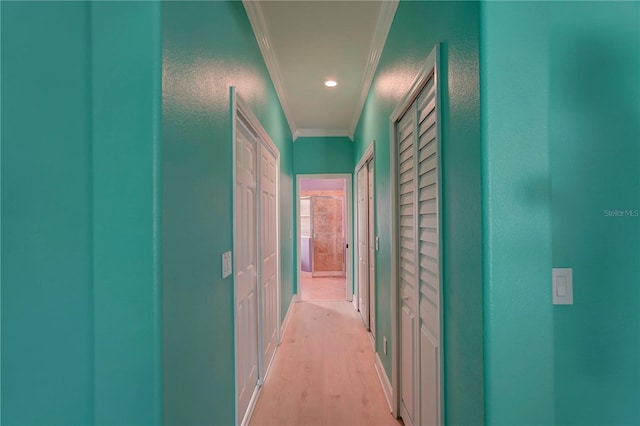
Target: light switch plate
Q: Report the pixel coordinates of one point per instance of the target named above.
(562, 286)
(226, 264)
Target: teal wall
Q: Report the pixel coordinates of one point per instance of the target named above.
(594, 164)
(517, 250)
(208, 47)
(417, 27)
(320, 155)
(47, 294)
(561, 110)
(80, 276)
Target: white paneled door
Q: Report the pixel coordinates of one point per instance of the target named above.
(246, 266)
(419, 258)
(256, 253)
(363, 231)
(268, 253)
(366, 244)
(372, 250)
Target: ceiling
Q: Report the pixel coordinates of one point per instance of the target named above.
(306, 42)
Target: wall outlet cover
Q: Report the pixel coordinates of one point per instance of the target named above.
(226, 264)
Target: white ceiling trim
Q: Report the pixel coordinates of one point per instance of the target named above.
(259, 25)
(383, 25)
(321, 132)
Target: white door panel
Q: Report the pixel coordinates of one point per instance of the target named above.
(407, 271)
(429, 379)
(363, 236)
(419, 263)
(429, 256)
(246, 268)
(256, 227)
(407, 371)
(268, 207)
(372, 251)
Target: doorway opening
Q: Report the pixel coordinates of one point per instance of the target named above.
(323, 237)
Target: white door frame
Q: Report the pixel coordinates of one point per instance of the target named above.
(349, 242)
(240, 108)
(430, 66)
(366, 158)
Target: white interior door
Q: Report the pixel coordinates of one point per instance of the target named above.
(256, 253)
(419, 261)
(268, 253)
(407, 268)
(245, 266)
(429, 257)
(328, 236)
(363, 245)
(372, 251)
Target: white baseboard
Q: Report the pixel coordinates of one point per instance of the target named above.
(328, 274)
(287, 316)
(252, 406)
(384, 381)
(372, 340)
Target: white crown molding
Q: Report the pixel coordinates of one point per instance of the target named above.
(259, 25)
(322, 133)
(381, 31)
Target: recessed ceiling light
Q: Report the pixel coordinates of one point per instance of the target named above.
(330, 83)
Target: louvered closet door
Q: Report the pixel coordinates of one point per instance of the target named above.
(429, 256)
(419, 261)
(407, 266)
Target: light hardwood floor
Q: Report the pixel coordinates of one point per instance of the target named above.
(323, 372)
(322, 288)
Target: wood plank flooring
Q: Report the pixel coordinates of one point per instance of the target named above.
(323, 372)
(322, 288)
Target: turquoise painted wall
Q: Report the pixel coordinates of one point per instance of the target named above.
(594, 164)
(208, 47)
(80, 278)
(518, 337)
(47, 294)
(317, 155)
(417, 27)
(320, 155)
(126, 122)
(561, 110)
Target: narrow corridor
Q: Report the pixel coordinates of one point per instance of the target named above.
(323, 372)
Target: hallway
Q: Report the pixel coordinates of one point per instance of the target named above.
(119, 251)
(323, 372)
